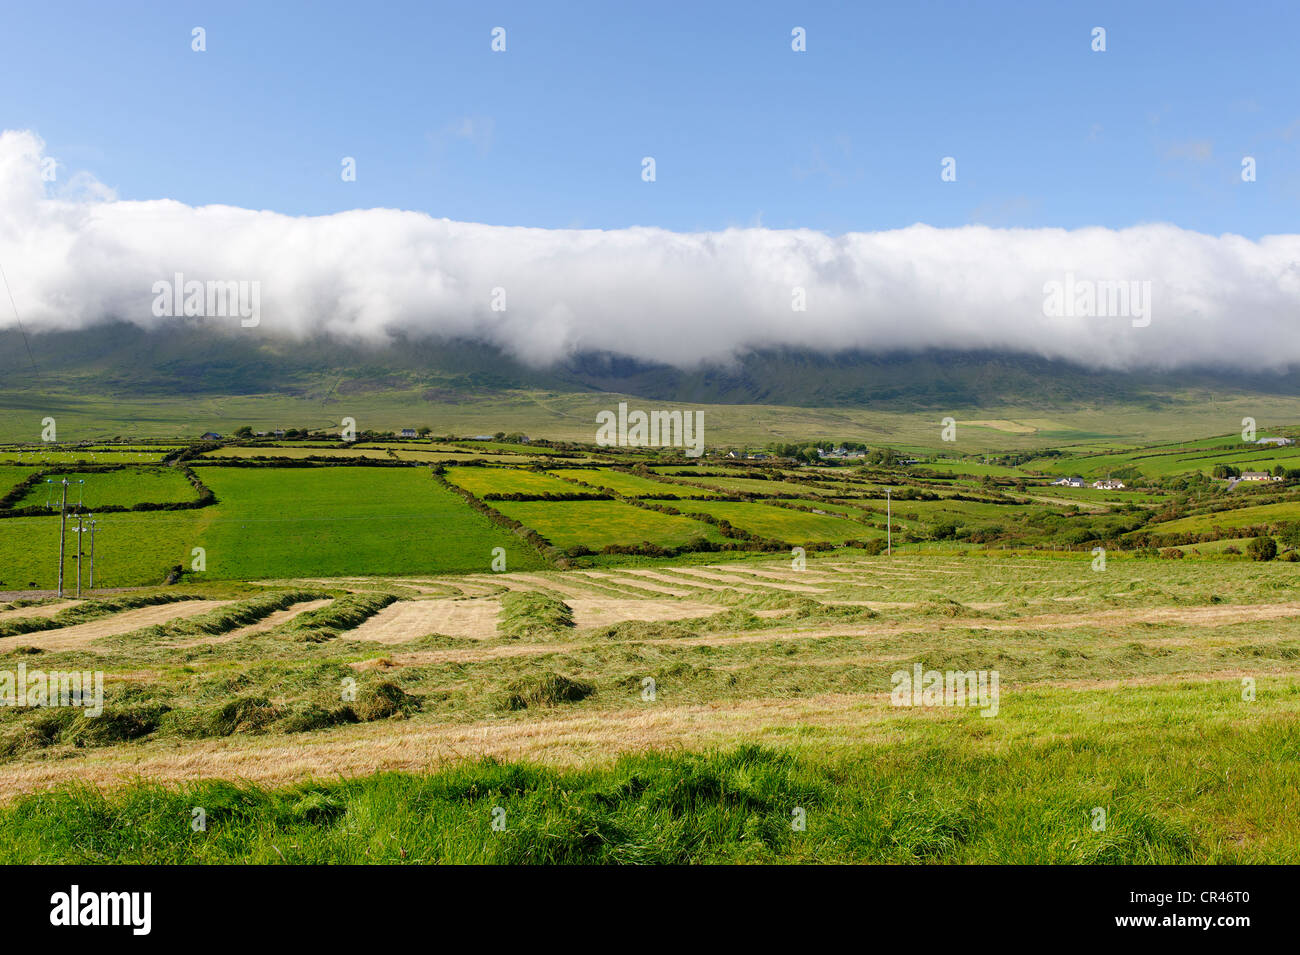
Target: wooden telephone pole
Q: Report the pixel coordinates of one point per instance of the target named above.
(63, 520)
(80, 528)
(63, 523)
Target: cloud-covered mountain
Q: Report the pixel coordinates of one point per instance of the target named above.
(76, 256)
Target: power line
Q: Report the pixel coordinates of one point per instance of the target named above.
(18, 318)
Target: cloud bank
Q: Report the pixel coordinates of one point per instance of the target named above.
(76, 256)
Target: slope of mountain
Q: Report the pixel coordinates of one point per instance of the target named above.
(121, 360)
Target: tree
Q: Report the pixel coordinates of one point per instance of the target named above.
(244, 432)
(1288, 532)
(1262, 548)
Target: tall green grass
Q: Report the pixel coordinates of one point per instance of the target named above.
(892, 804)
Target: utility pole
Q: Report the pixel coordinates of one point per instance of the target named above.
(92, 552)
(889, 525)
(63, 519)
(63, 523)
(80, 530)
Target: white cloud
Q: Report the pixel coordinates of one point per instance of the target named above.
(649, 293)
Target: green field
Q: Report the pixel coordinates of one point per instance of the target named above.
(124, 488)
(271, 523)
(45, 458)
(1163, 460)
(480, 481)
(12, 475)
(1236, 517)
(782, 523)
(630, 485)
(360, 452)
(760, 488)
(597, 524)
(968, 468)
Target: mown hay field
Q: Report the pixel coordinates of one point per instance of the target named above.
(679, 714)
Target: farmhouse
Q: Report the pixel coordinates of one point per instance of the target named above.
(210, 436)
(1280, 442)
(408, 433)
(1110, 484)
(1259, 476)
(1068, 482)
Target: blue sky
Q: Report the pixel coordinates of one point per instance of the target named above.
(847, 136)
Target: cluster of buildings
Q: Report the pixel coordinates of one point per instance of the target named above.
(840, 454)
(1110, 484)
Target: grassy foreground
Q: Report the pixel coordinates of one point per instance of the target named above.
(1229, 797)
(1162, 693)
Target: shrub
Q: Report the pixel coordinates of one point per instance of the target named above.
(1262, 548)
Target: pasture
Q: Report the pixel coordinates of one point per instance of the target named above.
(481, 481)
(783, 523)
(273, 522)
(630, 485)
(597, 524)
(123, 488)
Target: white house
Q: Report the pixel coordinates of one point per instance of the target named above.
(1280, 442)
(1068, 482)
(408, 432)
(1110, 484)
(1258, 476)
